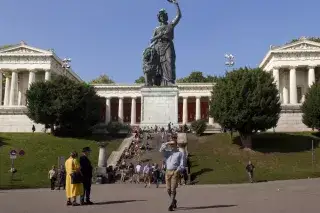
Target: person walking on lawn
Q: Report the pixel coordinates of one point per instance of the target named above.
(86, 170)
(175, 163)
(250, 168)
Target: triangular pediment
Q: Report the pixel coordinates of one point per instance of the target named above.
(301, 45)
(23, 49)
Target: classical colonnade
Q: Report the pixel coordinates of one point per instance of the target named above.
(288, 85)
(15, 89)
(114, 110)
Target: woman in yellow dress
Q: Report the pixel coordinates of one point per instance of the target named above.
(72, 190)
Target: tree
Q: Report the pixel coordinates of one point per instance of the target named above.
(72, 107)
(315, 39)
(246, 100)
(311, 108)
(197, 77)
(6, 46)
(102, 79)
(140, 80)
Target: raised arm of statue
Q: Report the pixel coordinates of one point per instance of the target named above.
(176, 20)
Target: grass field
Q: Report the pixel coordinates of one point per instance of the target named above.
(276, 156)
(42, 151)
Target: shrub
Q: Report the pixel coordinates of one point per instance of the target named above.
(311, 108)
(199, 126)
(114, 127)
(246, 100)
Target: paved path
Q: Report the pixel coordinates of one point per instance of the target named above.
(282, 196)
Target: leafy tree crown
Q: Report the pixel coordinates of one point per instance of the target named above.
(246, 100)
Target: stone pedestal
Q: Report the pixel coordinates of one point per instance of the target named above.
(183, 143)
(102, 161)
(101, 171)
(159, 106)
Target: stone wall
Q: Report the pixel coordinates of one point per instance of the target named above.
(291, 120)
(18, 123)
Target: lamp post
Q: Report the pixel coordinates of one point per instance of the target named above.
(230, 63)
(230, 60)
(66, 64)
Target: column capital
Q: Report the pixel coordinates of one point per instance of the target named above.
(311, 67)
(120, 98)
(276, 68)
(134, 97)
(292, 67)
(198, 96)
(184, 97)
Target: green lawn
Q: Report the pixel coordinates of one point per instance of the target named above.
(276, 156)
(42, 151)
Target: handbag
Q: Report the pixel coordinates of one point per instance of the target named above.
(76, 177)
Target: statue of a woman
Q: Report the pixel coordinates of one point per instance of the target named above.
(163, 43)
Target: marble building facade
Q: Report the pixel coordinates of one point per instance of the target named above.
(20, 66)
(294, 66)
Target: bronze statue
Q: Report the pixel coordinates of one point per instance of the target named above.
(159, 58)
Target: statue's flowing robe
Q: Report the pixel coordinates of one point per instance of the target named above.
(165, 49)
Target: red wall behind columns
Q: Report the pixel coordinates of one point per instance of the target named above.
(126, 112)
(138, 112)
(114, 111)
(180, 106)
(204, 110)
(191, 111)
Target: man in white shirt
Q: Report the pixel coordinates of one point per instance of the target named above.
(147, 174)
(53, 177)
(138, 173)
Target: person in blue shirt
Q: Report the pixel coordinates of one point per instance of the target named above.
(175, 162)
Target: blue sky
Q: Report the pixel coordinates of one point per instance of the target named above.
(109, 36)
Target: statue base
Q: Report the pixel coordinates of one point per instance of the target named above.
(159, 106)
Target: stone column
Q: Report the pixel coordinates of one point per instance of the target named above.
(13, 88)
(1, 88)
(32, 77)
(185, 110)
(293, 86)
(19, 98)
(102, 160)
(47, 75)
(211, 120)
(6, 92)
(133, 111)
(276, 76)
(198, 108)
(108, 110)
(285, 91)
(120, 110)
(311, 76)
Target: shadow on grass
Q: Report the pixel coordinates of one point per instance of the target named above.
(280, 142)
(2, 143)
(117, 201)
(205, 207)
(194, 175)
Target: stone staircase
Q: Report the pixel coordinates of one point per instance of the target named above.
(153, 155)
(115, 156)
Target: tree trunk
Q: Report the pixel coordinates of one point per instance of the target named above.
(246, 140)
(52, 129)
